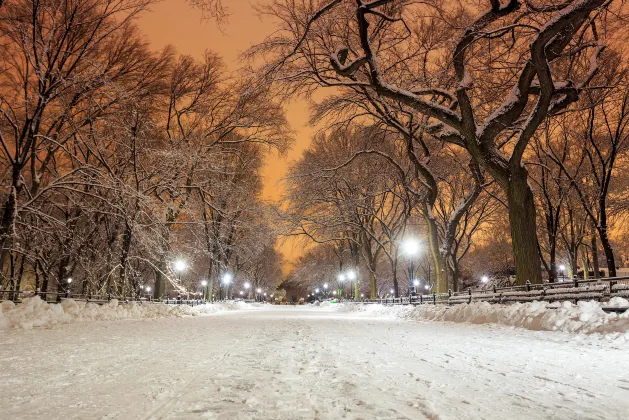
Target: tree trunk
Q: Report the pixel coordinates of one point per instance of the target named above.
(124, 255)
(585, 262)
(18, 279)
(8, 216)
(523, 229)
(62, 276)
(441, 279)
(396, 287)
(597, 270)
(160, 285)
(609, 252)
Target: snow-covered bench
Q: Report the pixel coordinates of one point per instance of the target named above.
(620, 290)
(475, 297)
(522, 296)
(588, 292)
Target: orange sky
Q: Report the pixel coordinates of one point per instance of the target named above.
(174, 22)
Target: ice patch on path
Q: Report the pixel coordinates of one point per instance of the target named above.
(583, 318)
(34, 312)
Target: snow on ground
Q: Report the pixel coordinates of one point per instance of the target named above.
(583, 318)
(307, 363)
(34, 312)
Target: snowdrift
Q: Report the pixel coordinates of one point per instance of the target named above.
(586, 317)
(34, 312)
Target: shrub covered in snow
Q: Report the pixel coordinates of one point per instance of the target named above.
(34, 312)
(587, 317)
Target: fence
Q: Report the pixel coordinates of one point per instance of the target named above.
(575, 290)
(54, 297)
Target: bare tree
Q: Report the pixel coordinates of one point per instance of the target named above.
(541, 57)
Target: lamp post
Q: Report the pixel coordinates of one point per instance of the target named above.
(247, 286)
(351, 275)
(148, 291)
(411, 249)
(204, 288)
(69, 281)
(325, 287)
(227, 278)
(179, 266)
(258, 291)
(484, 279)
(562, 270)
(341, 279)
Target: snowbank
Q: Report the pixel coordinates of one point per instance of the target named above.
(34, 312)
(583, 318)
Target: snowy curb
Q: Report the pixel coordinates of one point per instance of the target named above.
(34, 312)
(584, 318)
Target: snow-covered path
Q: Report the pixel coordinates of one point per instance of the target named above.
(306, 363)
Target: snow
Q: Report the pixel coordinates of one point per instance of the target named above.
(587, 317)
(307, 363)
(34, 312)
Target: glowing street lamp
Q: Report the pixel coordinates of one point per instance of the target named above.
(392, 292)
(427, 287)
(227, 278)
(562, 269)
(69, 280)
(317, 290)
(415, 282)
(351, 275)
(411, 248)
(180, 266)
(484, 279)
(203, 287)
